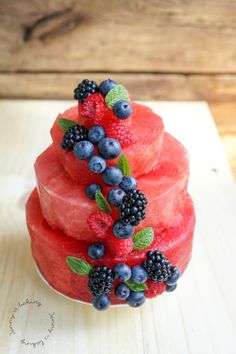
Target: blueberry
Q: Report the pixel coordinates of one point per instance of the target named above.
(115, 196)
(97, 164)
(170, 288)
(101, 302)
(139, 274)
(175, 274)
(106, 86)
(122, 291)
(92, 189)
(122, 272)
(96, 133)
(136, 298)
(122, 230)
(128, 183)
(96, 250)
(83, 150)
(122, 109)
(109, 148)
(112, 176)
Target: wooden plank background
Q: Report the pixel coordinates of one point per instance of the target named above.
(211, 88)
(196, 36)
(177, 50)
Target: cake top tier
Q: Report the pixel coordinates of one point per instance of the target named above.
(140, 134)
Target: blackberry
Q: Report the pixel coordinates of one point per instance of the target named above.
(73, 135)
(133, 207)
(101, 280)
(85, 89)
(157, 266)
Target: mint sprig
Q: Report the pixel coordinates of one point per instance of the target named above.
(123, 165)
(78, 265)
(119, 92)
(102, 203)
(143, 238)
(135, 286)
(65, 124)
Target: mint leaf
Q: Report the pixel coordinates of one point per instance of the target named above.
(102, 203)
(119, 92)
(135, 286)
(143, 238)
(123, 165)
(65, 124)
(78, 265)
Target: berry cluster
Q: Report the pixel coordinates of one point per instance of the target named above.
(130, 201)
(95, 147)
(86, 89)
(123, 194)
(102, 279)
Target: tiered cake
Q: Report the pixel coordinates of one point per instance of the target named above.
(111, 221)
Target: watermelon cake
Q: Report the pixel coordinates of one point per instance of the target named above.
(111, 221)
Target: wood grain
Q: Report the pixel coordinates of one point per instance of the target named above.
(200, 317)
(225, 118)
(194, 36)
(219, 88)
(224, 114)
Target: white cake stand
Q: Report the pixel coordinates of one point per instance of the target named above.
(68, 297)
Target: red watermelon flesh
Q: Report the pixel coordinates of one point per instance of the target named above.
(66, 206)
(143, 155)
(51, 247)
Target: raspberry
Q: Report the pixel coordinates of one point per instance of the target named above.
(99, 223)
(118, 247)
(154, 289)
(121, 133)
(94, 107)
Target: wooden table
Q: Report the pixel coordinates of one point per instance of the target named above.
(199, 318)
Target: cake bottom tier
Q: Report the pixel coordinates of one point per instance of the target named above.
(51, 247)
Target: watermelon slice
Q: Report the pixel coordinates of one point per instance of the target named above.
(143, 155)
(51, 247)
(65, 205)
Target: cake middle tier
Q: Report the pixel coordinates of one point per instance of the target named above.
(65, 205)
